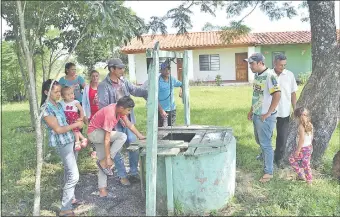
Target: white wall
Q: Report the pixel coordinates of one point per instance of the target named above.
(227, 63)
(132, 68)
(141, 68)
(141, 75)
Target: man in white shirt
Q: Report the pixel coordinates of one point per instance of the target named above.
(288, 87)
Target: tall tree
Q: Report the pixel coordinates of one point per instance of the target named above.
(117, 25)
(30, 22)
(321, 93)
(33, 94)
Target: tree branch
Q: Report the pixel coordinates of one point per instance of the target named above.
(70, 53)
(249, 12)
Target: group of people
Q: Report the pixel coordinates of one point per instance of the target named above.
(107, 108)
(274, 92)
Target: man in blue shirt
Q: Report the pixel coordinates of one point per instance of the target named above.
(166, 100)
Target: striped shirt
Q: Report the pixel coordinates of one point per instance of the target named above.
(55, 139)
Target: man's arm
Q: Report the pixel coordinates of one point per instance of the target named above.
(103, 96)
(107, 147)
(293, 100)
(275, 102)
(275, 91)
(136, 91)
(132, 127)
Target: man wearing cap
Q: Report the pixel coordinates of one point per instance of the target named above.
(288, 87)
(110, 90)
(266, 97)
(166, 100)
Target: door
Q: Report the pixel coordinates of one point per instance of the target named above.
(241, 67)
(179, 68)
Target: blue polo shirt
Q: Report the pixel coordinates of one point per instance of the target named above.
(164, 92)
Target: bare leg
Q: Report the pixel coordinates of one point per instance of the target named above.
(77, 144)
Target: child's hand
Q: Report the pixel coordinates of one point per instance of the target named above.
(297, 153)
(79, 119)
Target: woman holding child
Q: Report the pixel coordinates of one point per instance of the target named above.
(62, 138)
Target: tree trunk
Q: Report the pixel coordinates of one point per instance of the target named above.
(32, 90)
(26, 82)
(42, 60)
(321, 94)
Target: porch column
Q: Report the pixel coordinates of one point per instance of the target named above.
(132, 68)
(190, 65)
(251, 50)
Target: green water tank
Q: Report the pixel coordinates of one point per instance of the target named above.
(196, 169)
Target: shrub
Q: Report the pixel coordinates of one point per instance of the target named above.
(218, 80)
(303, 78)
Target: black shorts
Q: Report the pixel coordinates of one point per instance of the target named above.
(171, 118)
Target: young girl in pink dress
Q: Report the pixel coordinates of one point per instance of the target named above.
(300, 158)
(71, 108)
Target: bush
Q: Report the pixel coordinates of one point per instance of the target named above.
(218, 80)
(303, 78)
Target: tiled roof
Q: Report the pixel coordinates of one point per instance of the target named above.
(212, 40)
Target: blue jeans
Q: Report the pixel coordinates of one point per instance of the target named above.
(71, 174)
(133, 155)
(263, 131)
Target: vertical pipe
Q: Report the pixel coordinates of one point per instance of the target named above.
(152, 131)
(169, 185)
(186, 89)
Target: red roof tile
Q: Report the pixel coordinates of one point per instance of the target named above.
(212, 40)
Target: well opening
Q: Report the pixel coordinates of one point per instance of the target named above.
(186, 137)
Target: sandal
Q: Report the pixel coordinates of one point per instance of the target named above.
(266, 178)
(108, 196)
(106, 171)
(84, 143)
(68, 214)
(77, 146)
(300, 178)
(78, 203)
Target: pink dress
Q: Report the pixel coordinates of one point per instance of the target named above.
(71, 112)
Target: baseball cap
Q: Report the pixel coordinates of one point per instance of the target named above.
(255, 57)
(165, 65)
(115, 62)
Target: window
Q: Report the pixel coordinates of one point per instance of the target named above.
(209, 62)
(274, 54)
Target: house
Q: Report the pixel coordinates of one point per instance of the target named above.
(209, 56)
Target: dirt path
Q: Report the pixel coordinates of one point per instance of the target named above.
(128, 200)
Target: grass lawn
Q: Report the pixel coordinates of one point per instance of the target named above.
(220, 106)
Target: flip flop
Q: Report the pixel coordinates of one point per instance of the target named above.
(68, 214)
(108, 196)
(265, 179)
(78, 203)
(106, 171)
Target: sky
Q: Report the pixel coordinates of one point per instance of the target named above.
(257, 21)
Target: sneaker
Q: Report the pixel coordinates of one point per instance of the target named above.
(125, 182)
